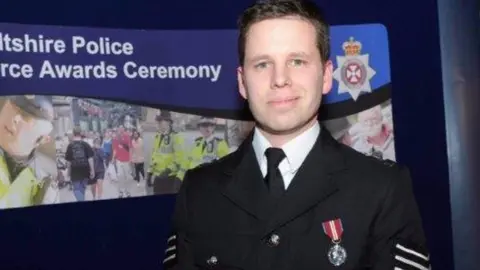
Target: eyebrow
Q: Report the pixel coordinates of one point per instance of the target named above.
(257, 58)
(299, 54)
(265, 56)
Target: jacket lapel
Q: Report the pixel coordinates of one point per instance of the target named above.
(245, 187)
(313, 182)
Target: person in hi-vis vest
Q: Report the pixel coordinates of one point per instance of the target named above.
(26, 124)
(208, 147)
(165, 170)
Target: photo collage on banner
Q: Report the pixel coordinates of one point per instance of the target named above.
(369, 132)
(146, 150)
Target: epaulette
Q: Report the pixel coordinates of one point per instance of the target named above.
(385, 162)
(40, 174)
(205, 164)
(389, 163)
(46, 194)
(218, 139)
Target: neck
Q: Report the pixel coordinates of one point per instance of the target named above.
(278, 140)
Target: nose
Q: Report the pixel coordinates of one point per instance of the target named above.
(16, 121)
(281, 77)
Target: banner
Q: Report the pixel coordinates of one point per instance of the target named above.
(148, 105)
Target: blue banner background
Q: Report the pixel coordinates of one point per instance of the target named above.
(374, 40)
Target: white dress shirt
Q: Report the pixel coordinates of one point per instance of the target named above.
(295, 150)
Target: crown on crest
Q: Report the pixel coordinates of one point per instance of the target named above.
(352, 47)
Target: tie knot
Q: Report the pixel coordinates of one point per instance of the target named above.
(274, 157)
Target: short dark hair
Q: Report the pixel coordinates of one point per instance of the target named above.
(273, 9)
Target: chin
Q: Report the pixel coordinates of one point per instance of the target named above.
(286, 122)
(281, 127)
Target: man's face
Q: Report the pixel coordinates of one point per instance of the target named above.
(20, 132)
(206, 130)
(371, 121)
(164, 126)
(283, 77)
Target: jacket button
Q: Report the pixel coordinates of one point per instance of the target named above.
(274, 240)
(212, 261)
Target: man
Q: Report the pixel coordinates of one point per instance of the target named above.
(166, 165)
(122, 145)
(375, 136)
(208, 147)
(79, 157)
(25, 124)
(291, 197)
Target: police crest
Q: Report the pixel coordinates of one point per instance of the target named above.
(353, 72)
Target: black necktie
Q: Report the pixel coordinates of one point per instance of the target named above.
(274, 178)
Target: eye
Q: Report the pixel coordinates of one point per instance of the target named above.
(297, 62)
(261, 65)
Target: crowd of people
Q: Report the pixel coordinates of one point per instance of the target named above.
(119, 155)
(90, 158)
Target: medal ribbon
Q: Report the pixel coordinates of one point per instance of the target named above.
(334, 229)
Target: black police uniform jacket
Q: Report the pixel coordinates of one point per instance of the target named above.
(225, 219)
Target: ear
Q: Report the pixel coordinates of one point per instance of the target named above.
(241, 83)
(327, 77)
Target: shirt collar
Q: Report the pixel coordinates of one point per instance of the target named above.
(295, 150)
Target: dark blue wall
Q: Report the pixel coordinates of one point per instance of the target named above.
(127, 234)
(460, 39)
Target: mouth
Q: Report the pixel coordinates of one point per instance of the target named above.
(283, 101)
(9, 131)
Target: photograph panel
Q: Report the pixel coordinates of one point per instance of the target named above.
(141, 151)
(136, 150)
(176, 142)
(369, 132)
(27, 161)
(106, 129)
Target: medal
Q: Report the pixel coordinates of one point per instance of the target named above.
(337, 255)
